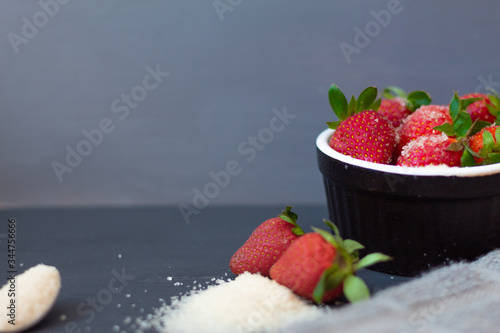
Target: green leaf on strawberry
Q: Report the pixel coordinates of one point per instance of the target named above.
(366, 99)
(351, 107)
(446, 128)
(461, 120)
(491, 147)
(333, 124)
(371, 259)
(494, 157)
(488, 141)
(477, 126)
(352, 246)
(462, 128)
(418, 98)
(334, 280)
(376, 105)
(343, 269)
(329, 237)
(494, 107)
(343, 110)
(355, 289)
(338, 102)
(290, 217)
(483, 146)
(467, 158)
(413, 100)
(393, 91)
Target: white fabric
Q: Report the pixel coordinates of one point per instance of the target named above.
(461, 297)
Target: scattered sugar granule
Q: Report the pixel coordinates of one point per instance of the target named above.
(128, 295)
(62, 317)
(169, 278)
(119, 256)
(249, 303)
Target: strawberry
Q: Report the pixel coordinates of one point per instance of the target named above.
(422, 122)
(266, 244)
(397, 105)
(485, 145)
(321, 266)
(361, 131)
(429, 150)
(446, 143)
(481, 109)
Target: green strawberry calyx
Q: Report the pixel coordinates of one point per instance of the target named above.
(462, 127)
(413, 100)
(343, 269)
(494, 105)
(288, 216)
(367, 100)
(489, 153)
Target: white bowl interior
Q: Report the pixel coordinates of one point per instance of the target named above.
(483, 170)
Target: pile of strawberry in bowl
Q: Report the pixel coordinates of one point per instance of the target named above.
(415, 180)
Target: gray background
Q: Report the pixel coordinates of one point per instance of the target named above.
(227, 73)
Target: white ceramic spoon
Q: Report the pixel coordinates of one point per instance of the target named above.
(35, 290)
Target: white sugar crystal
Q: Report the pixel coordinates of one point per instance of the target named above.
(250, 303)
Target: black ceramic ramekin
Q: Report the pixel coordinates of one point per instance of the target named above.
(422, 217)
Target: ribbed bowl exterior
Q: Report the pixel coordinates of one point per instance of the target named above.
(421, 221)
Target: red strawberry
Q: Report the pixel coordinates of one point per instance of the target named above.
(361, 132)
(395, 110)
(397, 105)
(430, 150)
(447, 148)
(321, 266)
(266, 244)
(485, 145)
(422, 122)
(479, 109)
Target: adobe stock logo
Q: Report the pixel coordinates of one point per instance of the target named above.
(372, 29)
(223, 6)
(487, 84)
(122, 107)
(247, 149)
(31, 27)
(92, 306)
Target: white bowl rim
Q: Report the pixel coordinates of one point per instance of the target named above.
(322, 143)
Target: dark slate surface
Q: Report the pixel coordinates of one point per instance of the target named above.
(143, 246)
